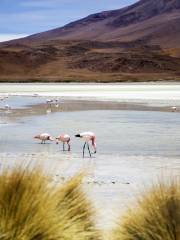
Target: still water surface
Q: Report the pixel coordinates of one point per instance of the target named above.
(118, 132)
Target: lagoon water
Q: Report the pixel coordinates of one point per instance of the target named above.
(118, 132)
(134, 147)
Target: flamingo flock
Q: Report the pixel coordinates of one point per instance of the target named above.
(87, 137)
(50, 103)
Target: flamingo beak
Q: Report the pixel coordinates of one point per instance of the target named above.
(77, 135)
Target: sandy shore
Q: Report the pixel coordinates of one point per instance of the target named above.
(131, 92)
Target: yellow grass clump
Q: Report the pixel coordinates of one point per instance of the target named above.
(32, 208)
(155, 217)
(74, 208)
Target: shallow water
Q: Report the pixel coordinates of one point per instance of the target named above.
(21, 101)
(118, 132)
(134, 148)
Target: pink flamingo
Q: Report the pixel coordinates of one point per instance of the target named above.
(88, 137)
(44, 137)
(64, 138)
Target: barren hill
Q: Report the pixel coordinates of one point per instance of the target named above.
(154, 21)
(139, 42)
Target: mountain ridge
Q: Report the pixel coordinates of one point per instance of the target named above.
(131, 23)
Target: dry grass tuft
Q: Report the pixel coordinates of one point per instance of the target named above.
(156, 216)
(74, 209)
(33, 209)
(26, 208)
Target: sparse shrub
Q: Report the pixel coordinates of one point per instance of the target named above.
(155, 217)
(33, 209)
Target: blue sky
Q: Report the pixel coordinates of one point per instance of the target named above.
(24, 17)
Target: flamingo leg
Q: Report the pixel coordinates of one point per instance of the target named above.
(69, 147)
(63, 147)
(89, 149)
(84, 148)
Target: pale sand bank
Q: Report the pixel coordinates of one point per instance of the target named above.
(114, 92)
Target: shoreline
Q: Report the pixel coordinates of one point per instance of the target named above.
(131, 93)
(161, 82)
(16, 114)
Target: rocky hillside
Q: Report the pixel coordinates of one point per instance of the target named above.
(137, 43)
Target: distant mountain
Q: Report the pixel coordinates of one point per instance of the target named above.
(137, 43)
(153, 21)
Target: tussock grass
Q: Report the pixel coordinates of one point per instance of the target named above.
(155, 217)
(24, 201)
(33, 209)
(74, 208)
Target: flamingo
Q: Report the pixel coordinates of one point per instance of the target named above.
(44, 137)
(49, 103)
(88, 137)
(64, 138)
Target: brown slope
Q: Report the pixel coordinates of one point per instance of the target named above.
(86, 61)
(154, 21)
(140, 42)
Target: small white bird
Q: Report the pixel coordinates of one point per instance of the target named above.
(174, 109)
(44, 137)
(7, 107)
(48, 111)
(88, 137)
(49, 101)
(65, 139)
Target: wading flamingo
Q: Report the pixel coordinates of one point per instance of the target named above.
(65, 139)
(44, 137)
(49, 103)
(88, 137)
